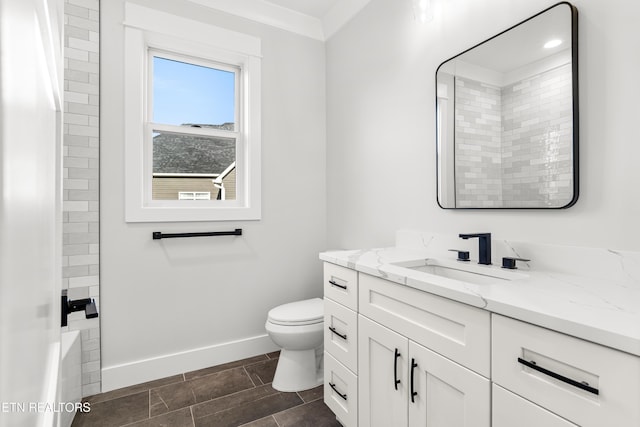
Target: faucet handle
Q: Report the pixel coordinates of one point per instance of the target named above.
(91, 311)
(462, 255)
(510, 263)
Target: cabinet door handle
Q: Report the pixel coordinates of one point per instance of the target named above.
(396, 381)
(581, 385)
(343, 336)
(413, 366)
(333, 386)
(337, 285)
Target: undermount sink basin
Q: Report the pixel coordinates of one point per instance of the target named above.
(462, 271)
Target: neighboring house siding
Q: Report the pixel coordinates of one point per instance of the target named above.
(168, 188)
(230, 185)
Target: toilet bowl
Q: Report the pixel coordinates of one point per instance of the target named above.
(297, 328)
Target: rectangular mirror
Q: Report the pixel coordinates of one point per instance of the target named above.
(507, 118)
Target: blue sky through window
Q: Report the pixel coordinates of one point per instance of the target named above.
(188, 93)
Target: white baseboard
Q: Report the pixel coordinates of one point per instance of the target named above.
(140, 371)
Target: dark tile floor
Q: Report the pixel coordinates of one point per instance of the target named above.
(234, 394)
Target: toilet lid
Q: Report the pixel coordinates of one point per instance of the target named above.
(298, 313)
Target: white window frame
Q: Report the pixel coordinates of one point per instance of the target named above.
(194, 195)
(148, 31)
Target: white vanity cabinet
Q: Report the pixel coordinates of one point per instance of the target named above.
(341, 343)
(403, 383)
(410, 348)
(397, 356)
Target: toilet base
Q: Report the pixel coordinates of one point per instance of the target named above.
(298, 370)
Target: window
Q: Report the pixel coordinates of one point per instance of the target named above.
(193, 125)
(193, 195)
(192, 120)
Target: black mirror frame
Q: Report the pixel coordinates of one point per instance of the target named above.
(575, 107)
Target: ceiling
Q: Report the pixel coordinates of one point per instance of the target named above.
(523, 44)
(318, 19)
(316, 8)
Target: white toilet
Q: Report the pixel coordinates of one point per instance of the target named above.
(297, 328)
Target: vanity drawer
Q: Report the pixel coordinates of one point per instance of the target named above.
(341, 333)
(509, 410)
(341, 391)
(341, 285)
(586, 383)
(455, 330)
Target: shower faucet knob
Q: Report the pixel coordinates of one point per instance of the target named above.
(88, 305)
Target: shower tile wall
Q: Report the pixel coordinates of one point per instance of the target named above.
(513, 144)
(80, 187)
(478, 144)
(537, 140)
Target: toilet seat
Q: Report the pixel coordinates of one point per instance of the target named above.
(299, 313)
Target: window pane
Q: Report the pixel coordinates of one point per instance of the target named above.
(185, 94)
(193, 164)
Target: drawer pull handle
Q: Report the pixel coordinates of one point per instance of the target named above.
(343, 336)
(337, 285)
(581, 385)
(333, 386)
(413, 393)
(396, 381)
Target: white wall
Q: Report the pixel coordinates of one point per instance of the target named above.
(381, 126)
(170, 306)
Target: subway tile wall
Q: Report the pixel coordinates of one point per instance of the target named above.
(514, 144)
(537, 139)
(478, 150)
(81, 256)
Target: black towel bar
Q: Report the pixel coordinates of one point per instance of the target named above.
(159, 235)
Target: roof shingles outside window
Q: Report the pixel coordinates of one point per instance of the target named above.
(190, 154)
(189, 163)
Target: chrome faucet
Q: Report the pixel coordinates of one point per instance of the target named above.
(484, 246)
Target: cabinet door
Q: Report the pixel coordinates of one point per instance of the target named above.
(446, 394)
(382, 376)
(511, 410)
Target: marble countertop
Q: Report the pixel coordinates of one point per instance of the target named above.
(602, 308)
